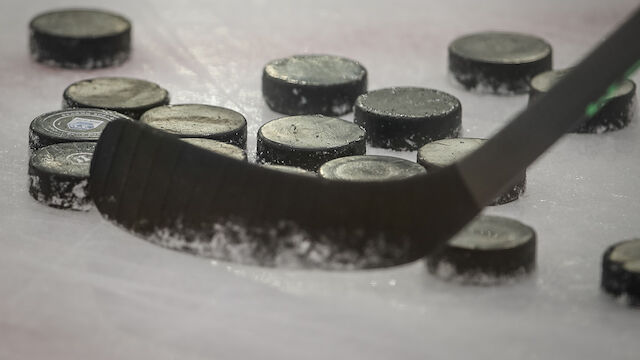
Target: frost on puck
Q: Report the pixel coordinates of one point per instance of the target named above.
(490, 249)
(367, 168)
(405, 118)
(615, 114)
(72, 125)
(80, 38)
(218, 147)
(498, 62)
(313, 84)
(621, 271)
(308, 141)
(128, 96)
(199, 121)
(441, 153)
(59, 174)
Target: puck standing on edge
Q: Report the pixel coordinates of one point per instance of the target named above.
(498, 62)
(615, 114)
(486, 250)
(80, 38)
(199, 121)
(59, 175)
(405, 118)
(441, 153)
(308, 141)
(128, 96)
(218, 147)
(313, 84)
(72, 125)
(621, 270)
(365, 168)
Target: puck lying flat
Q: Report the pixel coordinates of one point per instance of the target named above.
(313, 84)
(131, 97)
(441, 153)
(80, 38)
(59, 173)
(218, 147)
(615, 114)
(490, 248)
(308, 141)
(199, 121)
(498, 62)
(365, 168)
(621, 270)
(405, 118)
(73, 125)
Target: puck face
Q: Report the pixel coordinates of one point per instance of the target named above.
(218, 147)
(405, 118)
(125, 95)
(369, 168)
(308, 141)
(490, 246)
(313, 84)
(621, 270)
(199, 121)
(498, 62)
(80, 38)
(72, 125)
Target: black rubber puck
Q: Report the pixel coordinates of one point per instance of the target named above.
(131, 97)
(615, 114)
(313, 84)
(80, 38)
(438, 154)
(621, 270)
(199, 121)
(366, 168)
(490, 248)
(498, 62)
(59, 173)
(405, 118)
(72, 125)
(218, 147)
(308, 141)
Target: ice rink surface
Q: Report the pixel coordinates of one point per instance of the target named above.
(73, 286)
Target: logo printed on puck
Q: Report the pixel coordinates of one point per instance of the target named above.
(83, 124)
(80, 158)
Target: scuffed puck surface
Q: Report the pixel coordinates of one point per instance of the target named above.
(621, 271)
(59, 173)
(80, 38)
(218, 147)
(498, 62)
(489, 250)
(308, 141)
(72, 125)
(199, 121)
(405, 118)
(313, 84)
(615, 114)
(441, 153)
(365, 168)
(128, 96)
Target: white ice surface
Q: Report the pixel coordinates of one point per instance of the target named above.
(73, 286)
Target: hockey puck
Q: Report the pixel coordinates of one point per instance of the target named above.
(308, 141)
(490, 248)
(621, 270)
(367, 168)
(498, 62)
(405, 118)
(72, 125)
(199, 121)
(615, 114)
(131, 97)
(441, 153)
(218, 147)
(59, 173)
(313, 84)
(80, 38)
